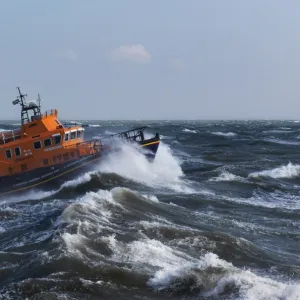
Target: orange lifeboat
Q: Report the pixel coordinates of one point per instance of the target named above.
(45, 151)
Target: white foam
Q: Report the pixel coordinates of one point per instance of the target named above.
(228, 134)
(152, 198)
(146, 253)
(164, 171)
(281, 142)
(86, 177)
(277, 131)
(214, 276)
(275, 199)
(109, 132)
(288, 171)
(94, 125)
(91, 213)
(30, 195)
(226, 176)
(92, 204)
(189, 130)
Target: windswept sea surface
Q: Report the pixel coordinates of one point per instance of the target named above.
(215, 216)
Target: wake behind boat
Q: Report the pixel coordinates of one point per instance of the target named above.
(46, 152)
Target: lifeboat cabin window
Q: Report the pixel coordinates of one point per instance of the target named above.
(73, 135)
(47, 142)
(57, 138)
(18, 151)
(37, 145)
(79, 133)
(67, 136)
(8, 153)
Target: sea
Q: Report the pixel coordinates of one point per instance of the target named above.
(215, 216)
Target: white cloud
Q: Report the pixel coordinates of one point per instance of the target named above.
(178, 64)
(137, 53)
(68, 54)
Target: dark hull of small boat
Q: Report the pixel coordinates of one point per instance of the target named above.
(54, 176)
(150, 147)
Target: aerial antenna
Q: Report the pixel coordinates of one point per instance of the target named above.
(20, 98)
(39, 101)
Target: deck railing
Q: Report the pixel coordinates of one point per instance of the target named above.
(9, 136)
(136, 134)
(50, 112)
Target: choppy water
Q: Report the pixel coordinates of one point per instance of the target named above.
(216, 216)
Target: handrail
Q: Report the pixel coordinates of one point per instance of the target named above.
(136, 134)
(50, 112)
(130, 131)
(10, 135)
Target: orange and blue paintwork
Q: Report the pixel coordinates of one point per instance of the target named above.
(43, 151)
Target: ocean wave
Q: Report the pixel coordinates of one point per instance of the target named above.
(168, 268)
(288, 171)
(189, 130)
(163, 172)
(277, 199)
(86, 177)
(94, 125)
(33, 194)
(277, 131)
(226, 176)
(281, 142)
(227, 134)
(212, 276)
(109, 132)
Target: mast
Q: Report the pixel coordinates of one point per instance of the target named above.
(26, 107)
(20, 100)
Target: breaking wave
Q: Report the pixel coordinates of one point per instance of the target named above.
(189, 130)
(228, 134)
(226, 176)
(167, 268)
(164, 171)
(288, 171)
(212, 276)
(29, 195)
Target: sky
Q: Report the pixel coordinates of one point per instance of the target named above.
(170, 59)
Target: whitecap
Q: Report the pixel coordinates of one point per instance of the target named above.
(94, 125)
(288, 171)
(227, 134)
(189, 130)
(226, 176)
(213, 276)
